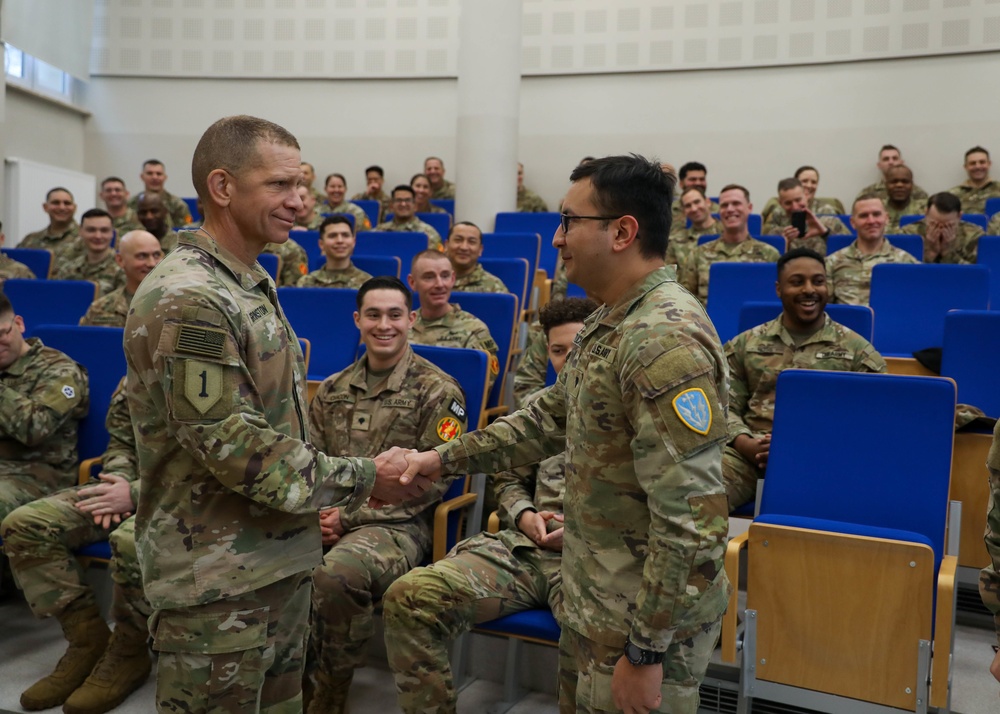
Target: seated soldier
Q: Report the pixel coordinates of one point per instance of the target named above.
(10, 268)
(734, 244)
(40, 537)
(61, 233)
(792, 200)
(336, 240)
(336, 191)
(696, 222)
(888, 156)
(421, 196)
(115, 197)
(434, 171)
(973, 192)
(440, 322)
(464, 248)
(527, 200)
(808, 176)
(374, 180)
(849, 270)
(307, 218)
(901, 202)
(488, 575)
(308, 179)
(43, 397)
(804, 337)
(389, 397)
(154, 178)
(947, 238)
(138, 253)
(96, 262)
(404, 217)
(154, 218)
(693, 174)
(294, 261)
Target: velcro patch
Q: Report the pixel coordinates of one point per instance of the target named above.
(361, 421)
(202, 385)
(399, 403)
(694, 410)
(448, 429)
(201, 341)
(68, 391)
(457, 409)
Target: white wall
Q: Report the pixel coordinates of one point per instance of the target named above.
(752, 126)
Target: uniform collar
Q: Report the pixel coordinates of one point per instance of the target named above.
(247, 277)
(614, 315)
(22, 362)
(776, 328)
(394, 383)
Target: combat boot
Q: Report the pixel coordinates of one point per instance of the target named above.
(122, 669)
(88, 634)
(329, 696)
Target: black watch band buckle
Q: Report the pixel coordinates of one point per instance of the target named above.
(639, 657)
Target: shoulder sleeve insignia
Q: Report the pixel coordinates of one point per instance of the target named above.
(457, 409)
(693, 409)
(68, 391)
(494, 365)
(448, 429)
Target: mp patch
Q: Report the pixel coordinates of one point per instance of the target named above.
(448, 429)
(457, 409)
(693, 409)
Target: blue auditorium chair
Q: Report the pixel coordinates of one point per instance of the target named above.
(374, 265)
(50, 302)
(402, 245)
(447, 204)
(855, 317)
(845, 218)
(992, 207)
(37, 259)
(309, 240)
(371, 208)
(988, 254)
(514, 274)
(514, 245)
(971, 344)
(270, 262)
(499, 312)
(910, 242)
(544, 224)
(732, 284)
(325, 317)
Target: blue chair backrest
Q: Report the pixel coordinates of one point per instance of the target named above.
(309, 240)
(992, 206)
(269, 262)
(988, 254)
(910, 302)
(468, 367)
(499, 312)
(881, 480)
(37, 259)
(371, 208)
(99, 349)
(575, 291)
(192, 204)
(550, 375)
(778, 242)
(971, 343)
(447, 204)
(514, 274)
(732, 284)
(755, 224)
(978, 219)
(855, 317)
(325, 317)
(514, 245)
(376, 265)
(402, 245)
(845, 218)
(544, 224)
(910, 242)
(907, 220)
(348, 216)
(50, 302)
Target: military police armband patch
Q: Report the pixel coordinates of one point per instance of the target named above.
(448, 429)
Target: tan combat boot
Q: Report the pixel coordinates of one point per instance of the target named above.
(88, 634)
(122, 669)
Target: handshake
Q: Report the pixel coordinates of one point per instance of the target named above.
(403, 475)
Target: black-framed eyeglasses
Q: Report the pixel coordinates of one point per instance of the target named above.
(566, 218)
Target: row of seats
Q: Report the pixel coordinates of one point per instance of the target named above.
(370, 207)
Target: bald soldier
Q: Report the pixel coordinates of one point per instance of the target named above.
(226, 525)
(138, 253)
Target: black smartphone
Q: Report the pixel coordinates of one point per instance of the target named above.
(799, 222)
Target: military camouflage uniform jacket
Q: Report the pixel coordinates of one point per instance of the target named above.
(352, 277)
(989, 578)
(974, 199)
(110, 310)
(105, 272)
(849, 271)
(684, 240)
(10, 268)
(414, 225)
(61, 243)
(479, 281)
(963, 250)
(695, 273)
(530, 202)
(458, 328)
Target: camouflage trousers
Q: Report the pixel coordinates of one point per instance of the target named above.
(740, 478)
(480, 580)
(989, 589)
(17, 489)
(238, 655)
(39, 538)
(354, 575)
(129, 606)
(586, 668)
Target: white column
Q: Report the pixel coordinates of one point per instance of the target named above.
(489, 99)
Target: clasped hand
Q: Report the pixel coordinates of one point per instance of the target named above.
(403, 475)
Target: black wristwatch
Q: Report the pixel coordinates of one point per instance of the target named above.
(638, 656)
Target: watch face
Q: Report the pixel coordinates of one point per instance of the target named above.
(633, 653)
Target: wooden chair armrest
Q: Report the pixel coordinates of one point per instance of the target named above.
(441, 522)
(730, 620)
(83, 476)
(493, 524)
(944, 621)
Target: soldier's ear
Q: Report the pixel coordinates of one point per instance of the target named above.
(220, 185)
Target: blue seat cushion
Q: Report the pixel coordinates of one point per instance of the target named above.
(100, 549)
(538, 623)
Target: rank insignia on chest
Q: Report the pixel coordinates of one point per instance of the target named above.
(448, 429)
(693, 409)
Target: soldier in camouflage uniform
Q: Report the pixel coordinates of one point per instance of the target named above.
(791, 199)
(947, 238)
(374, 180)
(115, 197)
(489, 575)
(61, 235)
(96, 262)
(464, 249)
(803, 337)
(40, 537)
(640, 409)
(138, 253)
(849, 270)
(888, 156)
(532, 369)
(693, 174)
(10, 268)
(899, 186)
(422, 196)
(336, 190)
(307, 218)
(979, 186)
(527, 200)
(43, 397)
(440, 322)
(404, 218)
(684, 237)
(734, 245)
(989, 577)
(390, 397)
(808, 176)
(294, 261)
(155, 219)
(434, 171)
(226, 525)
(308, 178)
(154, 176)
(336, 240)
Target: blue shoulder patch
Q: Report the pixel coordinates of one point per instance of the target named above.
(693, 409)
